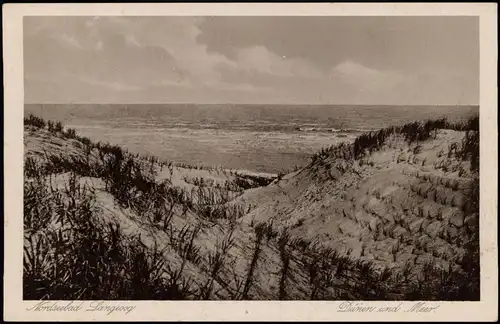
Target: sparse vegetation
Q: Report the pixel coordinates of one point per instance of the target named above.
(285, 260)
(216, 261)
(34, 121)
(260, 231)
(412, 133)
(72, 252)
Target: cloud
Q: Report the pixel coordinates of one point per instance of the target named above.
(109, 84)
(98, 51)
(178, 36)
(367, 79)
(151, 59)
(69, 40)
(259, 59)
(152, 56)
(246, 87)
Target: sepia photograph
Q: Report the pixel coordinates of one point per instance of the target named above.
(251, 157)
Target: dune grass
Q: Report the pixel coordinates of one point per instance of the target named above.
(331, 274)
(412, 132)
(71, 253)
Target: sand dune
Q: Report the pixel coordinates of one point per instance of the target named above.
(393, 211)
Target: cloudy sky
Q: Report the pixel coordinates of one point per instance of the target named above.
(316, 60)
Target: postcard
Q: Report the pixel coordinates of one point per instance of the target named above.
(238, 161)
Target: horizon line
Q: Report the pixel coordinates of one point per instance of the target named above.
(247, 104)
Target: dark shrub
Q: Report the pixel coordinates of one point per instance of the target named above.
(32, 120)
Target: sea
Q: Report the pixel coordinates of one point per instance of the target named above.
(259, 138)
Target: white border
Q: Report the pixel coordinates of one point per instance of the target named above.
(15, 308)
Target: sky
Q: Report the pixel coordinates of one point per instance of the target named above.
(255, 60)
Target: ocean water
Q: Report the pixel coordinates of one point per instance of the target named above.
(264, 138)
